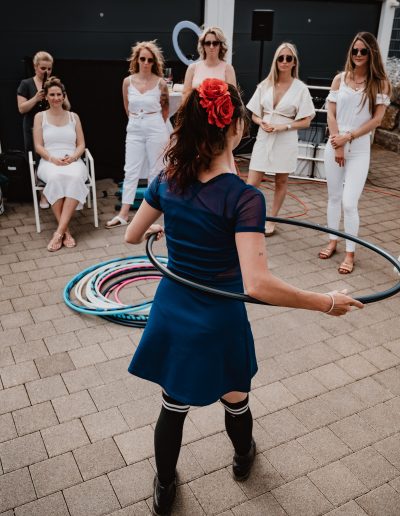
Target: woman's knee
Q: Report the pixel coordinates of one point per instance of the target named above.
(281, 180)
(350, 207)
(235, 396)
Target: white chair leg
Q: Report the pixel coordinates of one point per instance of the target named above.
(89, 202)
(36, 209)
(92, 187)
(34, 190)
(95, 214)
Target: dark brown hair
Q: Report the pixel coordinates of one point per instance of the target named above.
(54, 81)
(195, 142)
(376, 73)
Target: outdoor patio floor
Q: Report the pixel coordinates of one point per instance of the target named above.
(76, 430)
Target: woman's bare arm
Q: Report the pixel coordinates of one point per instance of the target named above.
(142, 224)
(261, 284)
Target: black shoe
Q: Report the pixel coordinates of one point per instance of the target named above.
(242, 463)
(163, 497)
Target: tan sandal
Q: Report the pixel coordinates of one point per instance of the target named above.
(346, 268)
(69, 241)
(55, 243)
(326, 253)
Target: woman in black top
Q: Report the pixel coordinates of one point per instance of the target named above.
(31, 100)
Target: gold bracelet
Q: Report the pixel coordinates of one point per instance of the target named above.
(333, 302)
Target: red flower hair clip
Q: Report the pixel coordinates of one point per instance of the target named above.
(216, 100)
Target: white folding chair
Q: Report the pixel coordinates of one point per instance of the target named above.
(38, 186)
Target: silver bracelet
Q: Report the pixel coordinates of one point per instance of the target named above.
(333, 302)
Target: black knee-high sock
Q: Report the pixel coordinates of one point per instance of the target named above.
(168, 438)
(239, 424)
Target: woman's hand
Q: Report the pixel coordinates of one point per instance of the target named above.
(339, 140)
(154, 228)
(339, 156)
(39, 96)
(273, 128)
(67, 160)
(57, 161)
(342, 303)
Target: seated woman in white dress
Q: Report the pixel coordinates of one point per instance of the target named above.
(59, 141)
(280, 105)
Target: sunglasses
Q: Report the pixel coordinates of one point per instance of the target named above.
(45, 69)
(361, 51)
(288, 58)
(211, 43)
(143, 59)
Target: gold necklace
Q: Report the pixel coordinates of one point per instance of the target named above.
(358, 83)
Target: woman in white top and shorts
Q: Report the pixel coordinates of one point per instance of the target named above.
(356, 105)
(212, 48)
(280, 105)
(146, 102)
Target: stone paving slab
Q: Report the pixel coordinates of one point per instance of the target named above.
(76, 430)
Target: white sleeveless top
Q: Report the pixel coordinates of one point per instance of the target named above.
(350, 114)
(59, 140)
(202, 71)
(147, 102)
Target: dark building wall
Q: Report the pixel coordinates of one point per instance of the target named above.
(90, 52)
(321, 31)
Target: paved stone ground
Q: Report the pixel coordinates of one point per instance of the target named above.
(76, 430)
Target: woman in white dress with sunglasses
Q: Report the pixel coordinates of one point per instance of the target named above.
(281, 105)
(356, 105)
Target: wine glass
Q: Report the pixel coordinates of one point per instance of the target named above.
(168, 77)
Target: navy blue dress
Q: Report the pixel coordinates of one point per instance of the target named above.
(198, 346)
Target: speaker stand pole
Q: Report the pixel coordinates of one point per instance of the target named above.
(261, 59)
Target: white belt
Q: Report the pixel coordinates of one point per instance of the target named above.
(141, 114)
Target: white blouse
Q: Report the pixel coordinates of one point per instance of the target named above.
(295, 104)
(350, 113)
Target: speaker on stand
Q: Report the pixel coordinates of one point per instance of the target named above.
(262, 30)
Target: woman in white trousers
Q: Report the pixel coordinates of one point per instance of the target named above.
(146, 102)
(356, 104)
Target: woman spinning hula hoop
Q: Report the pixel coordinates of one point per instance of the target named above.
(199, 347)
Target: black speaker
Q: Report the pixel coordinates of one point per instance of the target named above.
(262, 25)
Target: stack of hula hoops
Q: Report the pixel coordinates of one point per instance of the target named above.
(96, 290)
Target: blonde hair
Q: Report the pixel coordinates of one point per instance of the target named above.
(223, 47)
(42, 56)
(272, 77)
(376, 73)
(154, 49)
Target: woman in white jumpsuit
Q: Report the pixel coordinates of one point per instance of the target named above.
(356, 105)
(146, 102)
(280, 105)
